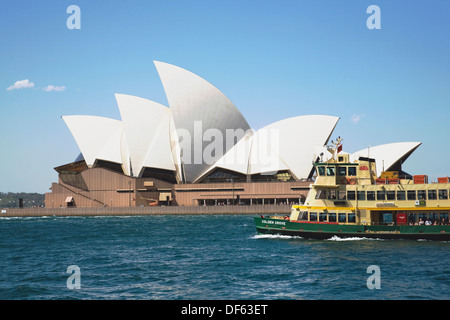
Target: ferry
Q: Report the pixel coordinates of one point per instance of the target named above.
(348, 199)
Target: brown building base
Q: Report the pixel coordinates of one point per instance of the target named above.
(103, 187)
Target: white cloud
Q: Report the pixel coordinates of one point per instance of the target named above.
(21, 84)
(50, 88)
(356, 118)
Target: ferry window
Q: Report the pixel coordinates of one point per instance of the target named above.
(303, 216)
(321, 194)
(322, 216)
(401, 195)
(351, 195)
(421, 195)
(370, 195)
(411, 194)
(313, 216)
(443, 195)
(321, 171)
(342, 217)
(352, 171)
(432, 195)
(433, 217)
(351, 218)
(443, 216)
(330, 171)
(342, 194)
(381, 195)
(422, 217)
(361, 195)
(342, 171)
(390, 195)
(412, 218)
(332, 217)
(332, 194)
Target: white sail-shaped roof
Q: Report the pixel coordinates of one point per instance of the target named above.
(298, 139)
(388, 155)
(265, 153)
(147, 132)
(197, 106)
(290, 144)
(175, 148)
(97, 137)
(148, 135)
(237, 158)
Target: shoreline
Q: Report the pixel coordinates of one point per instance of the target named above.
(129, 211)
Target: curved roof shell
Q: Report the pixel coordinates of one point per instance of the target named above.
(298, 138)
(388, 156)
(237, 158)
(203, 130)
(289, 144)
(97, 137)
(147, 132)
(197, 108)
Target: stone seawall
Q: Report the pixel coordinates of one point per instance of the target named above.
(106, 211)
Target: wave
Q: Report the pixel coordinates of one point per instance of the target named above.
(274, 236)
(333, 238)
(24, 217)
(10, 218)
(337, 238)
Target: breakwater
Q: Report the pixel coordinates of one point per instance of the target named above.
(125, 211)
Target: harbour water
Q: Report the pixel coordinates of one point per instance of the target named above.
(207, 257)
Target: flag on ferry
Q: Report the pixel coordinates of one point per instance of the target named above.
(339, 149)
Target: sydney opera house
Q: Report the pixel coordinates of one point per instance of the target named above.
(199, 150)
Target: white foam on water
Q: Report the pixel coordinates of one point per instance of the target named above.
(337, 238)
(274, 236)
(23, 217)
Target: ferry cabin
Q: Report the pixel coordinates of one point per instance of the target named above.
(351, 193)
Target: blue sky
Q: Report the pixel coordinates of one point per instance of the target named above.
(273, 59)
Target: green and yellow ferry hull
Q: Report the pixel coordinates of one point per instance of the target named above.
(317, 230)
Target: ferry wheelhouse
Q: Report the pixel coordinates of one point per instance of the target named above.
(347, 199)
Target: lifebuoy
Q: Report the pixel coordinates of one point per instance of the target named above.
(351, 180)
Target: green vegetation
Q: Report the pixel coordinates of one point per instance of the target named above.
(12, 199)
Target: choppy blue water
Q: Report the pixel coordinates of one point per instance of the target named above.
(207, 257)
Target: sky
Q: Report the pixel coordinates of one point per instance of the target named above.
(272, 59)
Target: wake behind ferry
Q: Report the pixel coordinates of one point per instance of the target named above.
(347, 199)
